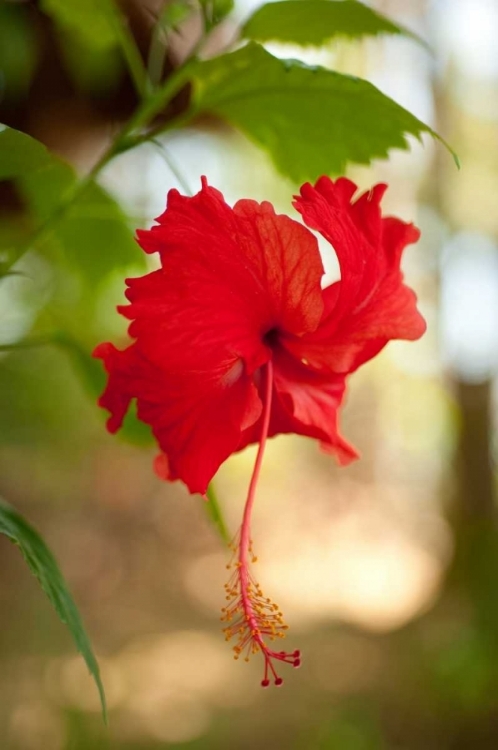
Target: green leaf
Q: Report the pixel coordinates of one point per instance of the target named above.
(100, 26)
(7, 274)
(95, 71)
(312, 120)
(214, 11)
(95, 20)
(18, 51)
(89, 369)
(314, 22)
(19, 154)
(91, 236)
(92, 377)
(43, 565)
(95, 237)
(221, 9)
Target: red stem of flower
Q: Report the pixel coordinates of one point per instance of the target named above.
(251, 616)
(245, 532)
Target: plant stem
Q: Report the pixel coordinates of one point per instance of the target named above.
(74, 192)
(131, 53)
(214, 512)
(245, 533)
(172, 165)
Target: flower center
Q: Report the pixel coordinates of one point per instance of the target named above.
(250, 616)
(271, 337)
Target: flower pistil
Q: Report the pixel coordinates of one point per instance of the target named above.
(251, 617)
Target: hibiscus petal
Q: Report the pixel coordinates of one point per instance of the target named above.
(197, 433)
(286, 256)
(228, 278)
(119, 391)
(305, 403)
(370, 305)
(197, 419)
(269, 264)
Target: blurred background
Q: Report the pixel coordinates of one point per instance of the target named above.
(386, 571)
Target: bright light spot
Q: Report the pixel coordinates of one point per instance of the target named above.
(310, 55)
(173, 681)
(469, 306)
(330, 262)
(362, 570)
(205, 578)
(359, 563)
(69, 682)
(185, 660)
(22, 298)
(470, 28)
(176, 718)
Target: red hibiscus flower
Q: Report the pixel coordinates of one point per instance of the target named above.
(236, 341)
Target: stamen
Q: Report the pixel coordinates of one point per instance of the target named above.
(251, 616)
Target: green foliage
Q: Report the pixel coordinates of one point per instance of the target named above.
(20, 154)
(18, 51)
(215, 514)
(314, 22)
(91, 235)
(352, 729)
(134, 431)
(43, 565)
(100, 26)
(97, 70)
(174, 13)
(92, 375)
(214, 11)
(90, 371)
(94, 236)
(312, 120)
(462, 670)
(172, 16)
(18, 390)
(95, 20)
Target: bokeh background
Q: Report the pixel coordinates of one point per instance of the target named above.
(387, 571)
